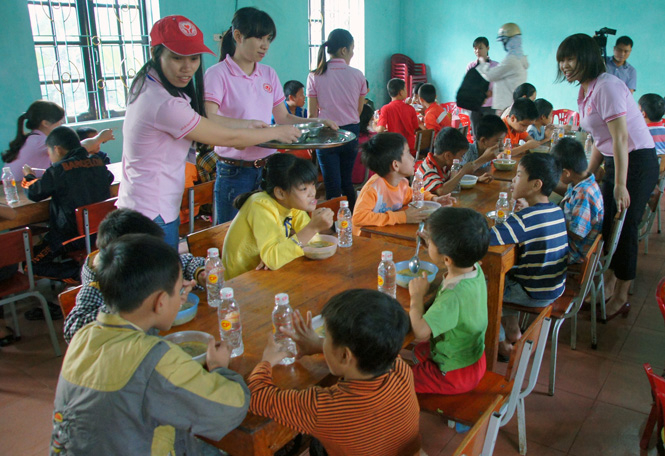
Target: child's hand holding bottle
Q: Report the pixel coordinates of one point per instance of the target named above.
(304, 335)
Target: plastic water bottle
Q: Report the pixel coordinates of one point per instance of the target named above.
(387, 274)
(453, 171)
(588, 146)
(507, 149)
(215, 276)
(9, 185)
(230, 327)
(502, 208)
(418, 190)
(282, 315)
(344, 224)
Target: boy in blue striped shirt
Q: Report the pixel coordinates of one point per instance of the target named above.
(539, 230)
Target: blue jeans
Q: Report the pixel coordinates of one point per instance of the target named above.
(337, 167)
(233, 181)
(171, 235)
(514, 293)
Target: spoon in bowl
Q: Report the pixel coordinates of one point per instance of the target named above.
(414, 263)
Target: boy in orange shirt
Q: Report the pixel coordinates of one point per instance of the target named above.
(522, 114)
(399, 117)
(436, 117)
(384, 198)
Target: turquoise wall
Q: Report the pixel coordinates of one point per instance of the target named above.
(383, 25)
(443, 38)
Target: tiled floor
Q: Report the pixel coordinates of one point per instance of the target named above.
(600, 406)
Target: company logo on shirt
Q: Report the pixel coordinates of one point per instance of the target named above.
(267, 87)
(187, 28)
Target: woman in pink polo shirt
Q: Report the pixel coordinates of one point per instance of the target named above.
(165, 115)
(41, 118)
(337, 92)
(241, 87)
(609, 112)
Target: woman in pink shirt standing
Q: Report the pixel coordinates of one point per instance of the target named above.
(41, 118)
(337, 92)
(165, 115)
(240, 86)
(622, 139)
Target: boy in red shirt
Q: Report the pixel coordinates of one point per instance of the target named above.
(436, 117)
(399, 117)
(522, 114)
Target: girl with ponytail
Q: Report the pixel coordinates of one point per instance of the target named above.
(338, 95)
(41, 117)
(272, 224)
(239, 86)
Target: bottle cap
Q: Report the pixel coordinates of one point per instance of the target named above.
(6, 168)
(213, 252)
(281, 298)
(455, 161)
(343, 203)
(503, 195)
(386, 255)
(226, 293)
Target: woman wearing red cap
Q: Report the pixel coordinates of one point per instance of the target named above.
(165, 115)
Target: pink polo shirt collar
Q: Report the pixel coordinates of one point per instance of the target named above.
(236, 71)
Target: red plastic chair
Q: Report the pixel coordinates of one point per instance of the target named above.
(563, 116)
(465, 121)
(657, 410)
(451, 107)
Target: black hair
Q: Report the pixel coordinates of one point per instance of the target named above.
(125, 221)
(292, 88)
(381, 150)
(395, 86)
(337, 39)
(415, 90)
(427, 92)
(524, 109)
(543, 107)
(134, 267)
(544, 167)
(490, 126)
(284, 171)
(38, 111)
(367, 82)
(63, 137)
(460, 233)
(194, 89)
(371, 324)
(365, 118)
(450, 140)
(86, 132)
(525, 90)
(653, 106)
(251, 23)
(481, 40)
(582, 47)
(570, 154)
(625, 41)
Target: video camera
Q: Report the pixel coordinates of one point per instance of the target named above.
(601, 39)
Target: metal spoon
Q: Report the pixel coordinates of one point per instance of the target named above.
(414, 263)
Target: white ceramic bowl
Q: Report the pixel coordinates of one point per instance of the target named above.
(182, 337)
(321, 253)
(468, 181)
(504, 164)
(430, 206)
(404, 279)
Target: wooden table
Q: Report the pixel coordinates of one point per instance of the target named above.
(496, 264)
(309, 284)
(28, 212)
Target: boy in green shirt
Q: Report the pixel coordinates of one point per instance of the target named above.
(452, 361)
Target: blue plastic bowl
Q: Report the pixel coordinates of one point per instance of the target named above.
(403, 280)
(187, 314)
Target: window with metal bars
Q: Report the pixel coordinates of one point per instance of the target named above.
(88, 52)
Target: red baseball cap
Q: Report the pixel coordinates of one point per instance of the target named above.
(178, 34)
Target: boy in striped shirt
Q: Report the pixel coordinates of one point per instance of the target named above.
(539, 230)
(373, 409)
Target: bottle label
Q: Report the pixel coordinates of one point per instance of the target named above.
(13, 183)
(500, 213)
(422, 190)
(344, 224)
(381, 281)
(212, 278)
(226, 325)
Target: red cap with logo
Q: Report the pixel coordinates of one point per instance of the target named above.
(178, 34)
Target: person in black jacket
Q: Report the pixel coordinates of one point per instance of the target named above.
(74, 179)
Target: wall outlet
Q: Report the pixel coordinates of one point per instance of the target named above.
(217, 37)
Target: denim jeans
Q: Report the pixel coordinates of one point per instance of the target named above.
(171, 235)
(337, 167)
(233, 181)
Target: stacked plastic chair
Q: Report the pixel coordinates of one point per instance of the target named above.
(402, 67)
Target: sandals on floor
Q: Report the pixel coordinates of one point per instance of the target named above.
(37, 313)
(9, 338)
